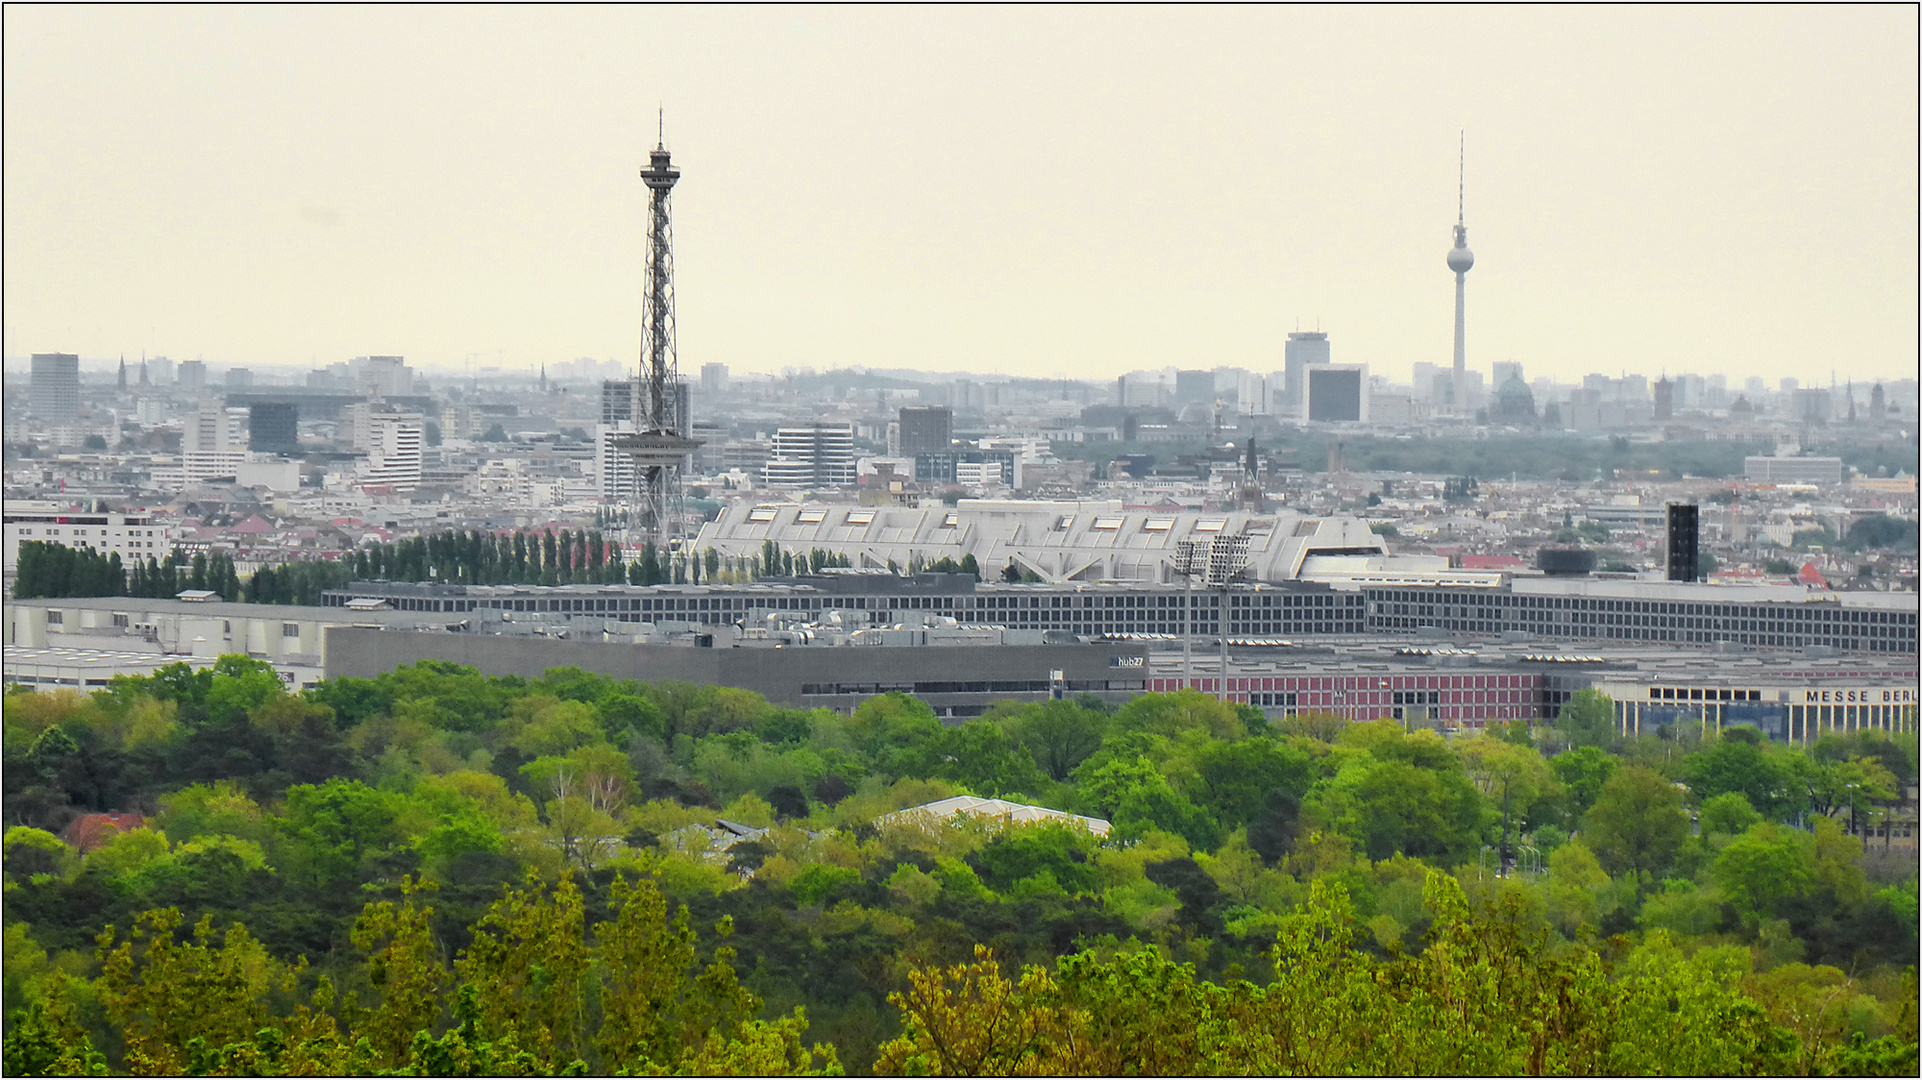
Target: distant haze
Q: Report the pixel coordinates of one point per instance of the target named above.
(1076, 192)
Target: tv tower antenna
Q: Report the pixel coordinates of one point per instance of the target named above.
(660, 448)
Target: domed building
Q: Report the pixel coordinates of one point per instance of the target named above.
(1514, 403)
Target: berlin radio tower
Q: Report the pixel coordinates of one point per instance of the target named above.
(661, 447)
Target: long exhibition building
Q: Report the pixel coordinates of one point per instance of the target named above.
(1463, 606)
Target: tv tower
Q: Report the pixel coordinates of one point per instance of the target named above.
(1460, 260)
(661, 446)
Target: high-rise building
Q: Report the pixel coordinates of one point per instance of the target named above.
(273, 427)
(209, 430)
(192, 376)
(1333, 393)
(927, 429)
(162, 370)
(239, 378)
(1504, 369)
(1430, 382)
(616, 468)
(713, 378)
(1304, 347)
(1755, 386)
(1254, 394)
(1461, 260)
(1787, 387)
(394, 450)
(1194, 386)
(1684, 541)
(812, 455)
(617, 401)
(387, 376)
(55, 389)
(1811, 406)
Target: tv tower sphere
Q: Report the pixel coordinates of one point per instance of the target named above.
(1460, 259)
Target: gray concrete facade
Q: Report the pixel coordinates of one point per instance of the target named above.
(957, 681)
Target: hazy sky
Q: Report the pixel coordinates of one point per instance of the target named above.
(1045, 192)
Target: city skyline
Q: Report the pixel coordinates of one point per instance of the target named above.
(232, 184)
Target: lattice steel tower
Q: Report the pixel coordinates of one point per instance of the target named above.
(661, 447)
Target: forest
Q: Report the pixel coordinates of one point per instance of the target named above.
(437, 872)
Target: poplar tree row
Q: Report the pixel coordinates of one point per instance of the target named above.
(56, 570)
(48, 570)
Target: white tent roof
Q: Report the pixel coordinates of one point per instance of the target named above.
(1019, 813)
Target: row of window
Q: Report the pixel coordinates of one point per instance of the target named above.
(1696, 693)
(1014, 686)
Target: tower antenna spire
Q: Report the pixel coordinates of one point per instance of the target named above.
(1461, 179)
(660, 120)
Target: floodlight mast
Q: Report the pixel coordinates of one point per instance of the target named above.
(1220, 562)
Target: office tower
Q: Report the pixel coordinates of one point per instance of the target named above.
(1788, 387)
(1878, 405)
(617, 401)
(394, 449)
(1252, 397)
(926, 430)
(713, 378)
(273, 427)
(1335, 393)
(1684, 542)
(55, 387)
(1502, 370)
(681, 410)
(192, 376)
(208, 430)
(617, 470)
(660, 449)
(239, 378)
(1715, 392)
(1755, 386)
(1194, 386)
(1461, 260)
(163, 371)
(812, 455)
(386, 376)
(1121, 391)
(1811, 406)
(1427, 381)
(1304, 347)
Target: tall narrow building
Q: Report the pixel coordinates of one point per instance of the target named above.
(1461, 260)
(54, 393)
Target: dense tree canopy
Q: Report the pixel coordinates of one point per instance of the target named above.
(440, 872)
